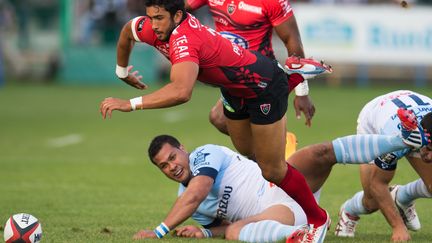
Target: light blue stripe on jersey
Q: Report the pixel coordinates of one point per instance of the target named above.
(266, 231)
(365, 148)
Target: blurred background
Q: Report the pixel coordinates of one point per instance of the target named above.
(89, 180)
(73, 42)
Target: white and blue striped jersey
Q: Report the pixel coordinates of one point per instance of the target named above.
(239, 190)
(379, 116)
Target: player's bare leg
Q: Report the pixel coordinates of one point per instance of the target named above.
(277, 213)
(269, 144)
(241, 136)
(217, 117)
(219, 120)
(315, 162)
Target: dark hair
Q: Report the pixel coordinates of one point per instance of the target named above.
(157, 143)
(172, 6)
(426, 122)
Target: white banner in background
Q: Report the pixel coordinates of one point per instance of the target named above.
(367, 34)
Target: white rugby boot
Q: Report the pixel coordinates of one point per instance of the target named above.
(307, 67)
(304, 234)
(309, 234)
(321, 231)
(346, 224)
(407, 212)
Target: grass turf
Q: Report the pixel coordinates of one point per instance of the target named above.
(89, 180)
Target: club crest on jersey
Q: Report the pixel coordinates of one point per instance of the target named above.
(200, 157)
(265, 108)
(231, 8)
(236, 39)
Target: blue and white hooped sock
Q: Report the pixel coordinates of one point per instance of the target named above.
(361, 149)
(354, 206)
(412, 191)
(266, 231)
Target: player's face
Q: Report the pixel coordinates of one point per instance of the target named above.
(174, 163)
(426, 153)
(162, 22)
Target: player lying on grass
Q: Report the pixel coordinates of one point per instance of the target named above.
(254, 86)
(397, 205)
(227, 195)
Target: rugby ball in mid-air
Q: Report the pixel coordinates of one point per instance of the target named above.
(22, 228)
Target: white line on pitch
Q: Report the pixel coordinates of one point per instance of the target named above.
(64, 141)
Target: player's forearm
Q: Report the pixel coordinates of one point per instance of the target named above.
(124, 46)
(188, 202)
(184, 207)
(386, 205)
(294, 46)
(289, 33)
(169, 95)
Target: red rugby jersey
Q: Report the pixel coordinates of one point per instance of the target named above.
(221, 62)
(249, 22)
(142, 32)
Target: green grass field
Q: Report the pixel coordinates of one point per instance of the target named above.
(89, 179)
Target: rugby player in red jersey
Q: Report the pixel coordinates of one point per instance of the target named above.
(255, 88)
(250, 23)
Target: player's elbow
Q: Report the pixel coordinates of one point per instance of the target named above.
(183, 96)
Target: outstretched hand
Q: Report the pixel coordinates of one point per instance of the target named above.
(144, 234)
(134, 79)
(110, 104)
(189, 231)
(304, 104)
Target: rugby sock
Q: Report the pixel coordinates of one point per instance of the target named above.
(294, 184)
(266, 231)
(411, 191)
(354, 206)
(360, 149)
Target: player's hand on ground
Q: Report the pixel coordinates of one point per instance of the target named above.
(400, 235)
(110, 104)
(189, 231)
(134, 79)
(304, 104)
(144, 234)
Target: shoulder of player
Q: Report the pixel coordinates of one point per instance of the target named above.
(140, 26)
(207, 147)
(188, 27)
(201, 153)
(267, 4)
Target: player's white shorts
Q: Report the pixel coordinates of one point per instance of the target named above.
(277, 196)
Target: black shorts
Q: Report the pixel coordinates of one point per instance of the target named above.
(270, 105)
